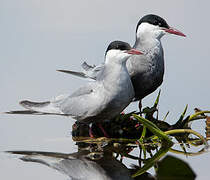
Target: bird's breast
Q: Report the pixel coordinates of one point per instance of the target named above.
(147, 73)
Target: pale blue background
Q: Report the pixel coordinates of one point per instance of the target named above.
(39, 36)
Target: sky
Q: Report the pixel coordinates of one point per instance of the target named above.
(39, 36)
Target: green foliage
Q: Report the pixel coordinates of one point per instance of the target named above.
(173, 168)
(154, 137)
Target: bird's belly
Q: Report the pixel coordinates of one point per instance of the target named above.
(108, 106)
(146, 84)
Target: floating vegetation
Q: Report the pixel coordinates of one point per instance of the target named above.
(144, 130)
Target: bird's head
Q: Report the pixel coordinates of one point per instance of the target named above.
(119, 52)
(153, 26)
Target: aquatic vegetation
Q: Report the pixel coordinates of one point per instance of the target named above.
(154, 137)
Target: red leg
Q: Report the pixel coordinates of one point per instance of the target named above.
(91, 132)
(102, 129)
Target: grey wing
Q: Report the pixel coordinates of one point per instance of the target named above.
(75, 105)
(84, 90)
(75, 73)
(82, 102)
(88, 71)
(92, 71)
(87, 66)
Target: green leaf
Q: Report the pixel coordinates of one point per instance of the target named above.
(154, 129)
(157, 99)
(152, 161)
(173, 168)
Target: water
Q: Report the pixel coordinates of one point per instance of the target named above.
(118, 157)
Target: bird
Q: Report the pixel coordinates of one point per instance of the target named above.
(96, 101)
(146, 70)
(80, 165)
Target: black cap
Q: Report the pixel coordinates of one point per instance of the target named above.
(154, 20)
(118, 45)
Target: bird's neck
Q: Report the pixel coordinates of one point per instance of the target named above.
(115, 74)
(112, 70)
(147, 43)
(152, 49)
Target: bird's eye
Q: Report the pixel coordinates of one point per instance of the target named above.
(156, 23)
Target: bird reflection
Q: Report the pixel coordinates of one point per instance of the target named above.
(102, 158)
(82, 165)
